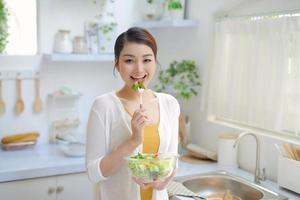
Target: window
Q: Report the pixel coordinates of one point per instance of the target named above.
(254, 80)
(22, 27)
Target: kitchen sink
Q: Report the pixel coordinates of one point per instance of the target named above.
(221, 181)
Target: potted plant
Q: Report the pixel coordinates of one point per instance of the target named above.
(181, 79)
(152, 9)
(3, 26)
(176, 8)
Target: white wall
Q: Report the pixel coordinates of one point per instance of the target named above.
(203, 132)
(89, 78)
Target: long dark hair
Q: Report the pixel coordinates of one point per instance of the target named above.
(137, 35)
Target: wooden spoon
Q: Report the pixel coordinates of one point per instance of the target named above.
(294, 149)
(37, 105)
(19, 107)
(289, 151)
(2, 104)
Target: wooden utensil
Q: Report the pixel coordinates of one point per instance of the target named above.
(289, 151)
(37, 105)
(19, 107)
(294, 149)
(2, 104)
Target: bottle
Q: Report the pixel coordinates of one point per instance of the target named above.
(62, 42)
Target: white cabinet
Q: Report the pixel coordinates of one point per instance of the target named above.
(66, 187)
(74, 187)
(32, 189)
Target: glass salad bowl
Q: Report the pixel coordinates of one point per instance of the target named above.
(152, 167)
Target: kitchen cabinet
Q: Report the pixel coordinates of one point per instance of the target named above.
(65, 187)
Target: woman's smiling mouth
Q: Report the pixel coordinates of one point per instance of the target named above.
(138, 78)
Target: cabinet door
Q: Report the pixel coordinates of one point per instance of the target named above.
(30, 189)
(75, 187)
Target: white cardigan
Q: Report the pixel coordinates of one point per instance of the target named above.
(108, 126)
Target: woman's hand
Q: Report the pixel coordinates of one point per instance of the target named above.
(138, 122)
(160, 185)
(157, 185)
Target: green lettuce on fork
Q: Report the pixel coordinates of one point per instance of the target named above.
(138, 86)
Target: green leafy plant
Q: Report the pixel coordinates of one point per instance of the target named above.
(174, 4)
(3, 26)
(180, 79)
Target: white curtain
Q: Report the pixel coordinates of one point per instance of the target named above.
(254, 79)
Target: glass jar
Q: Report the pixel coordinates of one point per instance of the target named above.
(79, 45)
(63, 42)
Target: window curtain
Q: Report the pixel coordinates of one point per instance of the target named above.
(254, 79)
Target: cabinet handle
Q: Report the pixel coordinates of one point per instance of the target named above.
(51, 191)
(59, 189)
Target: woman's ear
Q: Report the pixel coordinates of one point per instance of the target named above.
(116, 65)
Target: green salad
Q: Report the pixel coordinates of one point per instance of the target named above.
(137, 86)
(151, 167)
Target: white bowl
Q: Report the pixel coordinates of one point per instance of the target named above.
(73, 149)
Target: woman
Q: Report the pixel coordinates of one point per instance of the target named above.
(119, 126)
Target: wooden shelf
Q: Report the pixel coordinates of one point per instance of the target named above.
(81, 57)
(167, 23)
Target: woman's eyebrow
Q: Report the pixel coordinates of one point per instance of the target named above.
(128, 55)
(148, 55)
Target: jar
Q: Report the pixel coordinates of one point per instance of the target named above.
(79, 45)
(227, 154)
(62, 42)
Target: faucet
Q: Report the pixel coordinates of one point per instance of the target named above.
(258, 175)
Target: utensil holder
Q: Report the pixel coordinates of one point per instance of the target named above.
(288, 174)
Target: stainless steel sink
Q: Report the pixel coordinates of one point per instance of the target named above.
(220, 181)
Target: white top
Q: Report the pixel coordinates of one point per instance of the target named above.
(109, 125)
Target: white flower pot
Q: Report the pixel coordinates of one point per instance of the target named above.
(177, 14)
(152, 11)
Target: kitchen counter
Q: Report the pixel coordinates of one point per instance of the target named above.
(47, 160)
(40, 161)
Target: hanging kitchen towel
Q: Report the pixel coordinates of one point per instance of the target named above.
(177, 189)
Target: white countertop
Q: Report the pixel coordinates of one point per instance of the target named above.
(40, 161)
(47, 160)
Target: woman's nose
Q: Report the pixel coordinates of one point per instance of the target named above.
(140, 66)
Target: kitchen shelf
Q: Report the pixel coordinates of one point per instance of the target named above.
(81, 57)
(65, 96)
(167, 23)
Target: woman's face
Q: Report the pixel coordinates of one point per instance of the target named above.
(136, 64)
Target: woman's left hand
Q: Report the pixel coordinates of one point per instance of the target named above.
(157, 185)
(160, 185)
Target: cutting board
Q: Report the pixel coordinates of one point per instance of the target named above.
(193, 160)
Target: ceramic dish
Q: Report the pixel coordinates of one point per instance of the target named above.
(18, 145)
(73, 149)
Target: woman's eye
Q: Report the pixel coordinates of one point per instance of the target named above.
(128, 61)
(147, 60)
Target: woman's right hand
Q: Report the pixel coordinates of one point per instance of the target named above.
(138, 122)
